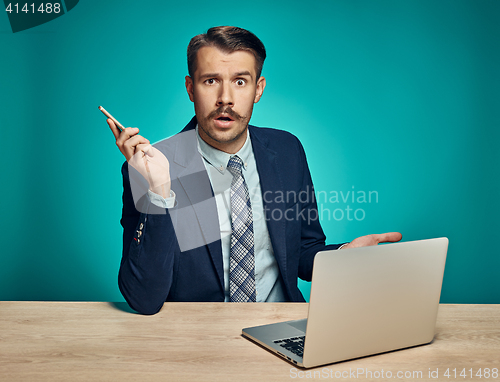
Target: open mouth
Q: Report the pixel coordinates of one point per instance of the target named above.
(223, 121)
(224, 118)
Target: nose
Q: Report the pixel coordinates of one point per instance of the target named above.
(225, 95)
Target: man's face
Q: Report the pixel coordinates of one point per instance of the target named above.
(224, 89)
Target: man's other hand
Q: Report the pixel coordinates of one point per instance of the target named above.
(365, 241)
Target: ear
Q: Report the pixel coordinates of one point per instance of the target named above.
(189, 88)
(261, 85)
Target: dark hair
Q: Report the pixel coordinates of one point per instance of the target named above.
(228, 39)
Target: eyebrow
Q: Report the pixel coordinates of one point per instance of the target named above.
(208, 75)
(245, 73)
(239, 74)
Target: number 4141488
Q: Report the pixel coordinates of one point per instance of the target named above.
(481, 373)
(30, 8)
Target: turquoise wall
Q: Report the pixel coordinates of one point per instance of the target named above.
(401, 98)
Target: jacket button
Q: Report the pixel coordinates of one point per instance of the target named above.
(141, 226)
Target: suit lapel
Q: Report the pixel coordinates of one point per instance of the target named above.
(196, 184)
(271, 186)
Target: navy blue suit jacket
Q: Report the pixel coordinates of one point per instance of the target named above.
(156, 268)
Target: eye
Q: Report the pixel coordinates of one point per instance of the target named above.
(240, 82)
(210, 81)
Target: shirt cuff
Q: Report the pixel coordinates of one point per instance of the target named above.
(159, 201)
(342, 246)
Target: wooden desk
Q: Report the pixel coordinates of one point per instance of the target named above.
(98, 341)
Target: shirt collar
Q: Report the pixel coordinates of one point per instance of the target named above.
(219, 159)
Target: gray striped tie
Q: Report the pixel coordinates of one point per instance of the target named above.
(242, 260)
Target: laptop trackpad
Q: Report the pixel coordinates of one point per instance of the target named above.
(299, 324)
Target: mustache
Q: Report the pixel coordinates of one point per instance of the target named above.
(225, 110)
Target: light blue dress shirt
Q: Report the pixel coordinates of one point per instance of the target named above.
(267, 277)
(267, 281)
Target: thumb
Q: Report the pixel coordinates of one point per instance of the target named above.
(150, 151)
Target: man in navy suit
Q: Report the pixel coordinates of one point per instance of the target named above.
(178, 211)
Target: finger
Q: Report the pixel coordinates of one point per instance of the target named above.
(126, 134)
(114, 129)
(140, 152)
(129, 146)
(388, 237)
(136, 140)
(145, 147)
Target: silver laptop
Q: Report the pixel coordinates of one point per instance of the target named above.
(363, 301)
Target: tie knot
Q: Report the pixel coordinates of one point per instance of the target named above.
(234, 165)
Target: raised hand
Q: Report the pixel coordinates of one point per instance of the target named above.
(147, 160)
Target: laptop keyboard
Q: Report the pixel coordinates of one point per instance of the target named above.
(293, 344)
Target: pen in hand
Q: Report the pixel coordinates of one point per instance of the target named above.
(118, 124)
(139, 153)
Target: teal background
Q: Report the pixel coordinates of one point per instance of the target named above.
(397, 97)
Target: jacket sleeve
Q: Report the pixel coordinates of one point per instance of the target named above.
(149, 246)
(312, 236)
